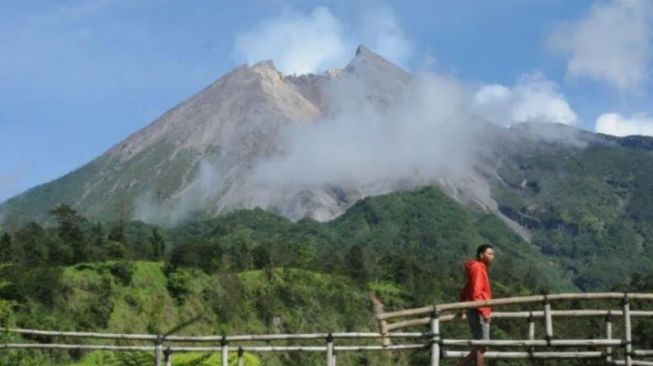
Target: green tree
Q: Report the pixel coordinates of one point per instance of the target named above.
(97, 240)
(69, 230)
(157, 243)
(358, 263)
(206, 257)
(5, 247)
(31, 245)
(118, 234)
(240, 244)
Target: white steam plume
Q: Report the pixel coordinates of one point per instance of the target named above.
(428, 133)
(420, 136)
(204, 188)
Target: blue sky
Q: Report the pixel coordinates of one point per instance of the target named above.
(77, 77)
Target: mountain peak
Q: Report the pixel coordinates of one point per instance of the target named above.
(265, 64)
(264, 69)
(367, 59)
(365, 54)
(362, 50)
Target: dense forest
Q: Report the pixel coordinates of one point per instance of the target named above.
(592, 208)
(252, 271)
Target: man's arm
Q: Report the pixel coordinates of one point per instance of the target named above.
(479, 284)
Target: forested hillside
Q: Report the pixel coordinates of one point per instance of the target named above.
(255, 272)
(592, 208)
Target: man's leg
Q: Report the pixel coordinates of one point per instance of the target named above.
(474, 357)
(474, 321)
(479, 358)
(485, 335)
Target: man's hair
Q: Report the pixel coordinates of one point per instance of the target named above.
(482, 248)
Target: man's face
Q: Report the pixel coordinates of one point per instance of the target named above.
(487, 256)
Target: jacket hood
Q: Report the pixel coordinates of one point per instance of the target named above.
(469, 264)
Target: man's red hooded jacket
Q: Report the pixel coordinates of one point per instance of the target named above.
(477, 286)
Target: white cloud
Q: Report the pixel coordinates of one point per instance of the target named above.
(381, 32)
(532, 99)
(613, 43)
(618, 125)
(309, 43)
(297, 43)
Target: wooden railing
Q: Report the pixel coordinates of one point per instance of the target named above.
(615, 351)
(599, 347)
(164, 347)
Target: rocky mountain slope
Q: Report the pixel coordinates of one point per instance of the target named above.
(199, 154)
(224, 149)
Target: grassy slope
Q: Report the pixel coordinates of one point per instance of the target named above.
(284, 300)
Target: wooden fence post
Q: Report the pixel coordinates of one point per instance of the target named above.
(548, 321)
(435, 338)
(225, 351)
(531, 331)
(241, 360)
(608, 335)
(158, 350)
(383, 325)
(167, 356)
(329, 350)
(627, 331)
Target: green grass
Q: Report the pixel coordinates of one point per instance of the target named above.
(103, 358)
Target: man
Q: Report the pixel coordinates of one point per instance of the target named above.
(478, 288)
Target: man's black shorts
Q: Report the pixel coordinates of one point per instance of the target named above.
(480, 328)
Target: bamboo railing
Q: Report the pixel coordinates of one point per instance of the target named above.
(164, 347)
(600, 348)
(433, 340)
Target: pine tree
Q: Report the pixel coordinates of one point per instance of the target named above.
(69, 230)
(5, 248)
(158, 244)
